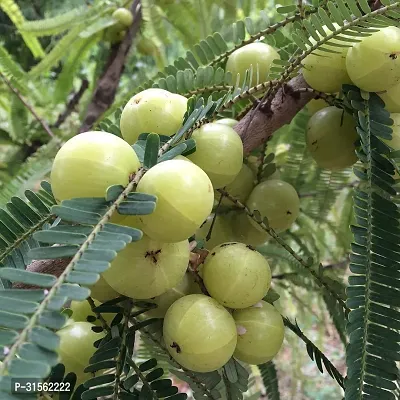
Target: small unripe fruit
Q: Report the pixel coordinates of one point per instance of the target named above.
(245, 231)
(82, 312)
(123, 16)
(260, 333)
(240, 187)
(89, 163)
(152, 111)
(325, 71)
(278, 201)
(221, 232)
(199, 333)
(219, 153)
(185, 198)
(185, 287)
(374, 63)
(148, 268)
(315, 105)
(76, 348)
(227, 121)
(331, 134)
(392, 99)
(236, 275)
(102, 291)
(259, 55)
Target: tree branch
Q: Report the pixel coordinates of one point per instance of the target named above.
(104, 94)
(258, 125)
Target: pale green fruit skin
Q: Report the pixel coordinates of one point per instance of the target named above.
(260, 54)
(123, 16)
(315, 105)
(240, 187)
(392, 99)
(221, 233)
(325, 71)
(372, 64)
(102, 291)
(140, 272)
(219, 153)
(152, 111)
(264, 333)
(185, 197)
(81, 310)
(185, 287)
(394, 143)
(87, 164)
(246, 232)
(278, 201)
(236, 276)
(203, 329)
(227, 121)
(76, 348)
(330, 138)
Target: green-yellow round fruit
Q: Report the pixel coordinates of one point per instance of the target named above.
(102, 291)
(185, 287)
(148, 268)
(227, 121)
(374, 63)
(392, 99)
(278, 201)
(394, 143)
(89, 163)
(185, 197)
(259, 55)
(245, 231)
(123, 16)
(331, 134)
(76, 348)
(315, 105)
(236, 275)
(82, 312)
(260, 333)
(199, 333)
(325, 71)
(219, 153)
(240, 187)
(152, 111)
(221, 232)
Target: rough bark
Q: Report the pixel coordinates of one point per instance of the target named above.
(107, 86)
(258, 125)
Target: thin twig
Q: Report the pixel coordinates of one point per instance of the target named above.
(28, 106)
(72, 104)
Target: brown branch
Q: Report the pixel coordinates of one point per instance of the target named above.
(71, 106)
(258, 125)
(52, 267)
(107, 86)
(28, 106)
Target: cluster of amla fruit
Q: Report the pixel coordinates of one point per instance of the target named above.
(233, 319)
(372, 64)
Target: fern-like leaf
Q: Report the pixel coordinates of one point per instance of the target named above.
(373, 292)
(270, 380)
(55, 25)
(10, 7)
